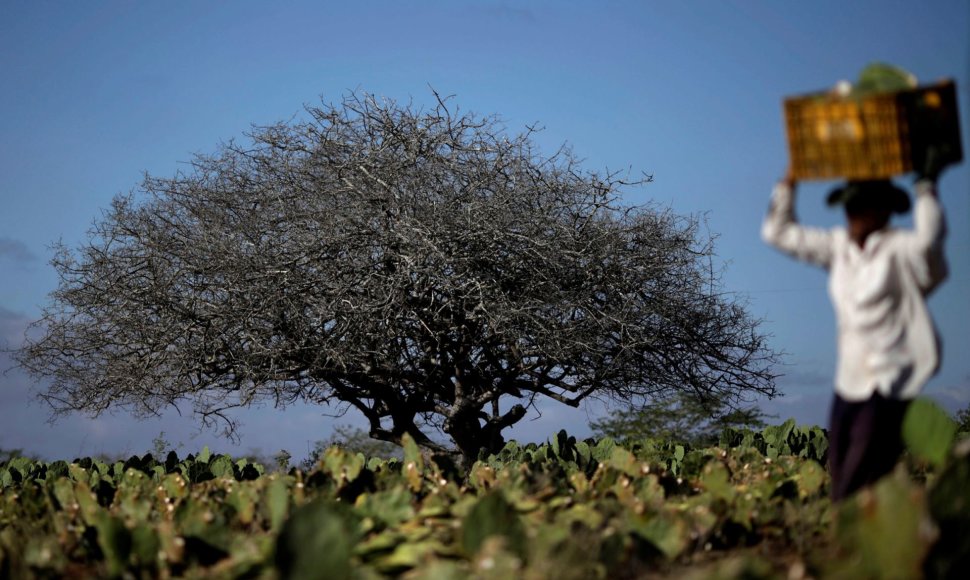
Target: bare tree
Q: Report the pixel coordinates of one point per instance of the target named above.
(419, 265)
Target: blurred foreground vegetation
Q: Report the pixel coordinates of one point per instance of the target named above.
(754, 505)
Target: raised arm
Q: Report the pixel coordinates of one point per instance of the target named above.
(782, 230)
(925, 247)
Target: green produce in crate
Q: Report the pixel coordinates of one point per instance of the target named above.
(880, 77)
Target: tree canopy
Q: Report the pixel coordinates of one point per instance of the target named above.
(418, 264)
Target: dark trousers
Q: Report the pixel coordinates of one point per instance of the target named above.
(865, 441)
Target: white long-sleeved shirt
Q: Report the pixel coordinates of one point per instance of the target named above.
(887, 341)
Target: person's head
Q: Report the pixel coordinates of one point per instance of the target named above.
(869, 205)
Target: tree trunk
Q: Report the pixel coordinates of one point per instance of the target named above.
(472, 437)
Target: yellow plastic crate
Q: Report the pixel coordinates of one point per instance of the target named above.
(872, 137)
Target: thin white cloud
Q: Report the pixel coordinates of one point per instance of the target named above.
(791, 399)
(958, 394)
(803, 375)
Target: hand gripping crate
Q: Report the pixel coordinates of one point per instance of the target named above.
(871, 137)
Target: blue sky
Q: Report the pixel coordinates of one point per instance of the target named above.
(97, 93)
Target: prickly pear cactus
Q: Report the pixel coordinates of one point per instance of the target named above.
(928, 431)
(884, 531)
(492, 516)
(950, 507)
(318, 542)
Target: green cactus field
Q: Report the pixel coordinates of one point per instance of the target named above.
(753, 506)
